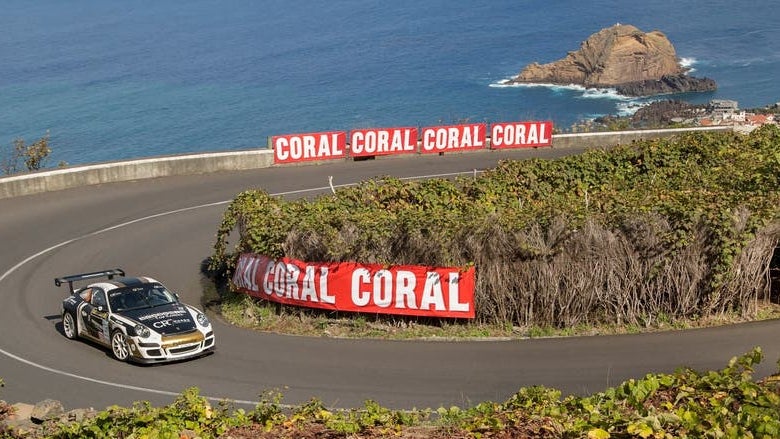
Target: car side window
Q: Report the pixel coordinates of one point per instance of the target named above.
(86, 294)
(99, 298)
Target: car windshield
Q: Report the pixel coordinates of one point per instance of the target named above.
(138, 297)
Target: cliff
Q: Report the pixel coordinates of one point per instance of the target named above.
(621, 57)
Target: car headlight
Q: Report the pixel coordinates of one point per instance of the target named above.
(142, 331)
(202, 319)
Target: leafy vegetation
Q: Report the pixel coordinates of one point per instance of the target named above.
(34, 156)
(728, 403)
(665, 228)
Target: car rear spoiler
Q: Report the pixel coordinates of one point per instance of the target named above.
(84, 276)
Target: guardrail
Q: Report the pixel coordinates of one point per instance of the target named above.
(191, 164)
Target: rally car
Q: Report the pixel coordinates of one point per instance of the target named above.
(136, 317)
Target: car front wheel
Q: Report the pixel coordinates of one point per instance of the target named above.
(119, 346)
(69, 325)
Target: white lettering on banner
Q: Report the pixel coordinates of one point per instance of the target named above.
(432, 293)
(309, 292)
(324, 296)
(509, 135)
(360, 276)
(268, 285)
(280, 279)
(439, 139)
(383, 290)
(405, 282)
(455, 305)
(381, 293)
(383, 283)
(246, 273)
(383, 141)
(308, 147)
(283, 280)
(291, 279)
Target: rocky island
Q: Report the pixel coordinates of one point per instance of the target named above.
(621, 57)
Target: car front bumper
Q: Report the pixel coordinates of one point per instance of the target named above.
(173, 347)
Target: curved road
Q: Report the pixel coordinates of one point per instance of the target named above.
(166, 227)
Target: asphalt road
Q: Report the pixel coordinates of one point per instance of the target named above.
(166, 227)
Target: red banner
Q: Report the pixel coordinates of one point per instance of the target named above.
(521, 135)
(453, 138)
(367, 288)
(295, 148)
(383, 141)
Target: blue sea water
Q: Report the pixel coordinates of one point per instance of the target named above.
(111, 80)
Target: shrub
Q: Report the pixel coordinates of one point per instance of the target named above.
(34, 155)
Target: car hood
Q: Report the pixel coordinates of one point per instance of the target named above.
(165, 319)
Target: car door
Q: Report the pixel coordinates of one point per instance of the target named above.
(96, 316)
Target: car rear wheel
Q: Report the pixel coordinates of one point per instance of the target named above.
(69, 325)
(119, 345)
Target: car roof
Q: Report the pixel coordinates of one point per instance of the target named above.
(121, 282)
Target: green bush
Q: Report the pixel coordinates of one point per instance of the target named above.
(189, 412)
(728, 403)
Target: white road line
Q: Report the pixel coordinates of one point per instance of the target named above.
(121, 386)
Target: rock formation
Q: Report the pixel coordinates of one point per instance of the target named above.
(622, 57)
(41, 420)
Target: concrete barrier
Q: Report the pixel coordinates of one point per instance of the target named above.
(64, 178)
(612, 138)
(190, 164)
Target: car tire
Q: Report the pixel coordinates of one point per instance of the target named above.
(119, 347)
(69, 325)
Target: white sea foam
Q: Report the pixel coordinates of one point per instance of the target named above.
(623, 109)
(603, 93)
(506, 83)
(586, 93)
(590, 93)
(630, 107)
(687, 64)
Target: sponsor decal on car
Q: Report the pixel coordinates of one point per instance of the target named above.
(164, 315)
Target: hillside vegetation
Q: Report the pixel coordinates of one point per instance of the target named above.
(666, 228)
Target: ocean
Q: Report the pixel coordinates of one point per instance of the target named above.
(114, 80)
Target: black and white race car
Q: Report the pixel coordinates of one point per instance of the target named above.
(137, 317)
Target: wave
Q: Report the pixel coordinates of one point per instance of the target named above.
(630, 107)
(622, 109)
(586, 92)
(506, 83)
(687, 64)
(604, 93)
(624, 106)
